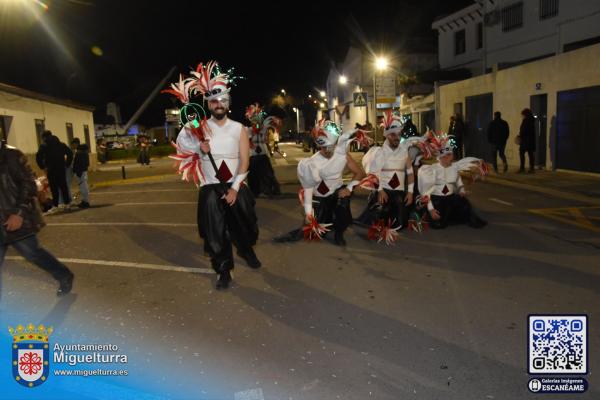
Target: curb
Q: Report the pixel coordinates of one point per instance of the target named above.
(132, 181)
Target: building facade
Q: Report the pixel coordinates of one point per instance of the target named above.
(509, 32)
(24, 115)
(563, 92)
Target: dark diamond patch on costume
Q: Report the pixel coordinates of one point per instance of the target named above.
(258, 150)
(445, 189)
(394, 182)
(224, 172)
(323, 189)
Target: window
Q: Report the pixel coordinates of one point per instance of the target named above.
(512, 17)
(459, 42)
(40, 126)
(86, 134)
(479, 38)
(69, 133)
(548, 9)
(5, 122)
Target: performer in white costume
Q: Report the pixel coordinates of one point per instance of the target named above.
(215, 154)
(390, 174)
(261, 177)
(441, 186)
(324, 196)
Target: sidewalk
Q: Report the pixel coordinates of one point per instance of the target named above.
(567, 185)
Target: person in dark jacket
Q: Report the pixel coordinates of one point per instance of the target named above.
(527, 140)
(54, 157)
(457, 129)
(21, 219)
(498, 132)
(81, 163)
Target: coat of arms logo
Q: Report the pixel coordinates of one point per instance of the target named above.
(30, 354)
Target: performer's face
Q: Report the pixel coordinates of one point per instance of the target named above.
(219, 107)
(327, 151)
(393, 139)
(447, 159)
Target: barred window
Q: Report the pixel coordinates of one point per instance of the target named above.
(548, 9)
(460, 42)
(512, 17)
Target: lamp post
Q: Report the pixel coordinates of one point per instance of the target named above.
(297, 120)
(381, 64)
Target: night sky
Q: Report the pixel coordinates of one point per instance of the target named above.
(289, 45)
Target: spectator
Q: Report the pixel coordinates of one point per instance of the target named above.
(498, 132)
(20, 217)
(144, 156)
(101, 151)
(54, 158)
(81, 164)
(526, 140)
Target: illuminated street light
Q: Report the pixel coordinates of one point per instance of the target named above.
(310, 96)
(322, 105)
(381, 63)
(283, 91)
(322, 93)
(343, 80)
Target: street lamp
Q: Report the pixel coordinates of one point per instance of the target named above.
(310, 96)
(283, 91)
(297, 120)
(381, 64)
(343, 80)
(322, 93)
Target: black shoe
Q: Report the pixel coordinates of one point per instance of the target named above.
(84, 204)
(65, 285)
(251, 259)
(292, 236)
(338, 239)
(224, 280)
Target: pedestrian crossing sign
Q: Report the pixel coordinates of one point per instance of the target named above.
(360, 99)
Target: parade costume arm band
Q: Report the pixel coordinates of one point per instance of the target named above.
(411, 187)
(308, 195)
(350, 186)
(459, 184)
(239, 178)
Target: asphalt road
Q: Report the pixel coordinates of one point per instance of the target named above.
(440, 315)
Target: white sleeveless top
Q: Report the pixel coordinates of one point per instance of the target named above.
(324, 174)
(259, 143)
(393, 170)
(225, 149)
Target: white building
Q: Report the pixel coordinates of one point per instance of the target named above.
(24, 115)
(510, 32)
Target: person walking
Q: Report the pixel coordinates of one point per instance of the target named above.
(54, 157)
(81, 163)
(527, 140)
(21, 219)
(498, 132)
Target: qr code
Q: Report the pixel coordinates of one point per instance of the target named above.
(557, 344)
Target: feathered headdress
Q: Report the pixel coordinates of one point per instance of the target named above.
(391, 123)
(326, 133)
(210, 81)
(437, 145)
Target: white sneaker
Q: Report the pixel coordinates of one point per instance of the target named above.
(51, 211)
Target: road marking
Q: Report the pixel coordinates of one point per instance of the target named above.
(506, 203)
(146, 191)
(174, 268)
(118, 224)
(157, 203)
(569, 215)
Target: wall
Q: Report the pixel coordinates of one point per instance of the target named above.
(25, 111)
(513, 87)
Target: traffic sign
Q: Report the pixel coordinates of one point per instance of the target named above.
(360, 99)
